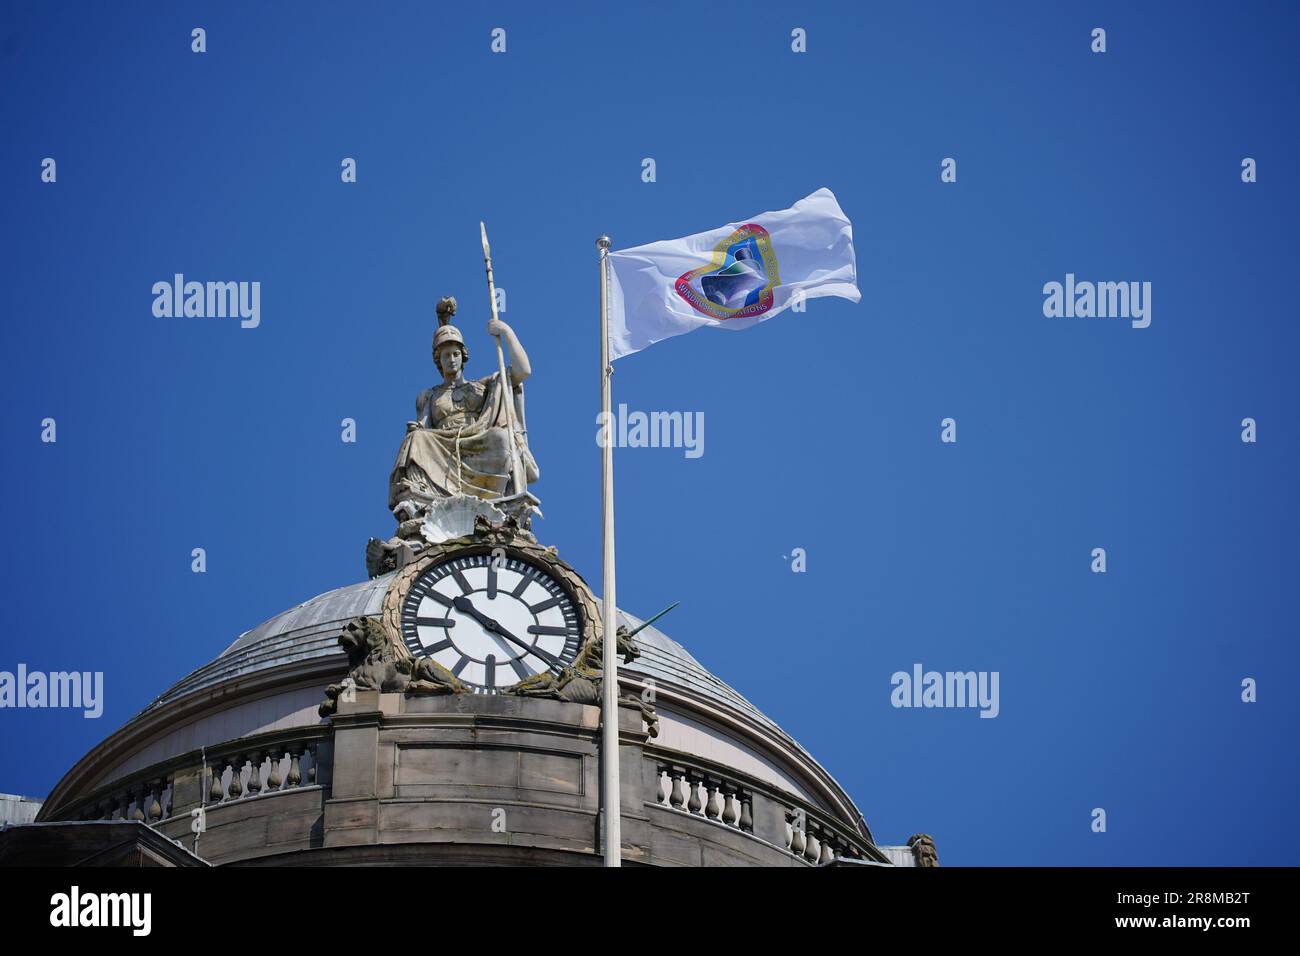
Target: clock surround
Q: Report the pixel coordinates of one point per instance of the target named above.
(421, 618)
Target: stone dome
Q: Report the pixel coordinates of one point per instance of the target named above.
(311, 629)
(720, 783)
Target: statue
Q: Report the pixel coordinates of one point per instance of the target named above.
(375, 663)
(923, 849)
(466, 455)
(460, 442)
(580, 682)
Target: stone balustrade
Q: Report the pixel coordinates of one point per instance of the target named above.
(815, 840)
(263, 764)
(725, 797)
(146, 798)
(704, 794)
(247, 772)
(398, 779)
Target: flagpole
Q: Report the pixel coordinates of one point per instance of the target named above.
(611, 789)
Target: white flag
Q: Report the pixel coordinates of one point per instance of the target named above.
(733, 277)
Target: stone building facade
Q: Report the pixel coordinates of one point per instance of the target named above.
(236, 765)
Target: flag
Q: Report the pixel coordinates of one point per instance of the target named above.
(733, 277)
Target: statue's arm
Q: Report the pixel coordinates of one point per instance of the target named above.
(520, 369)
(421, 412)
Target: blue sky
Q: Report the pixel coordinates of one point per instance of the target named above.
(1119, 691)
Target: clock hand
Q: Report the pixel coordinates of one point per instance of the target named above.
(534, 650)
(463, 603)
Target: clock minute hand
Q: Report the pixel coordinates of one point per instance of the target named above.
(528, 648)
(463, 603)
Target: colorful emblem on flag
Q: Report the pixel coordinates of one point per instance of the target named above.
(738, 281)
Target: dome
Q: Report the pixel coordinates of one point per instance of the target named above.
(716, 783)
(311, 629)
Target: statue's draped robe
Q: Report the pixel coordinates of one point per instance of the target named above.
(463, 446)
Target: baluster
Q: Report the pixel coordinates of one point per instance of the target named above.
(311, 767)
(828, 853)
(747, 815)
(236, 788)
(155, 800)
(137, 794)
(713, 809)
(217, 790)
(814, 847)
(678, 797)
(731, 813)
(797, 841)
(295, 769)
(254, 773)
(696, 805)
(273, 780)
(661, 792)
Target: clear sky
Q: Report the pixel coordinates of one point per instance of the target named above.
(1119, 690)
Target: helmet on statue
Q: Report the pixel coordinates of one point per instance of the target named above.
(448, 334)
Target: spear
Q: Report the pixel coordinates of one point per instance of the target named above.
(516, 467)
(644, 624)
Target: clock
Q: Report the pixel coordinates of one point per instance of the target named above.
(490, 619)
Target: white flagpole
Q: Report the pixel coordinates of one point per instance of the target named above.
(611, 790)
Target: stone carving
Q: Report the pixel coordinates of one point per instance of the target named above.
(376, 663)
(502, 533)
(460, 441)
(396, 552)
(581, 681)
(456, 464)
(923, 849)
(457, 517)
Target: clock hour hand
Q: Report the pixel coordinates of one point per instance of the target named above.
(464, 604)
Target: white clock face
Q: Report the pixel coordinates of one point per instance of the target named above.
(490, 621)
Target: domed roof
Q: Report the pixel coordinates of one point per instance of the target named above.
(311, 630)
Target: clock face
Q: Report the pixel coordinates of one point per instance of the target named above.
(490, 621)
